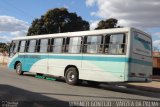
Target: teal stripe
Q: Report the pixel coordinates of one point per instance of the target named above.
(65, 57)
(113, 59)
(141, 62)
(90, 58)
(97, 58)
(31, 59)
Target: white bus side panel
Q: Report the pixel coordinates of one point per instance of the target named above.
(104, 71)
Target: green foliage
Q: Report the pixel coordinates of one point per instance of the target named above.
(106, 24)
(57, 20)
(3, 47)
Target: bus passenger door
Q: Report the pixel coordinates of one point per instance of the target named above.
(43, 55)
(91, 54)
(55, 57)
(37, 56)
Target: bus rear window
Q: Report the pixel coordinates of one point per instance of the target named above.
(142, 44)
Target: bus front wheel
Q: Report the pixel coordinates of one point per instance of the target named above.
(19, 69)
(71, 76)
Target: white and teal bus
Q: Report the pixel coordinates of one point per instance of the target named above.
(107, 55)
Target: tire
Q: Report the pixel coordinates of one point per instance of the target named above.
(71, 76)
(93, 83)
(19, 69)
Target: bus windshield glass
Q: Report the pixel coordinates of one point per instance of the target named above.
(142, 44)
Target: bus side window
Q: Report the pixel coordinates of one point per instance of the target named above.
(93, 44)
(16, 43)
(22, 46)
(117, 44)
(43, 45)
(73, 44)
(57, 46)
(13, 48)
(32, 46)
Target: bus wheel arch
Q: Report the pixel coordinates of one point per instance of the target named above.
(18, 68)
(71, 75)
(16, 64)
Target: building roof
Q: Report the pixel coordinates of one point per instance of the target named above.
(156, 54)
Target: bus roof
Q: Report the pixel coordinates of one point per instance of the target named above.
(78, 33)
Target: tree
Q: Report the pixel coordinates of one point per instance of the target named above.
(106, 24)
(3, 47)
(57, 20)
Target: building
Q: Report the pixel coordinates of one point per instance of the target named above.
(156, 63)
(4, 58)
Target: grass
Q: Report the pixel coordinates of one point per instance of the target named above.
(44, 77)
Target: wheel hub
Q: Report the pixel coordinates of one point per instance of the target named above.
(18, 68)
(71, 76)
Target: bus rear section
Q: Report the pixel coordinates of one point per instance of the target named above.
(140, 61)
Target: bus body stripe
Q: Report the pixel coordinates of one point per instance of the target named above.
(141, 62)
(30, 58)
(91, 58)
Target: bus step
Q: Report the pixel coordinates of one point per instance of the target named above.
(41, 77)
(50, 78)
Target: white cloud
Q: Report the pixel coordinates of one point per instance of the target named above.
(156, 43)
(73, 2)
(157, 34)
(12, 27)
(5, 39)
(90, 2)
(66, 6)
(19, 33)
(93, 24)
(11, 24)
(139, 13)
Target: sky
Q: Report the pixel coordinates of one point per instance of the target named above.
(17, 15)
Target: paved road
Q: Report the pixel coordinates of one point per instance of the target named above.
(28, 88)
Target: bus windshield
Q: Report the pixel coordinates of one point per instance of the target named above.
(13, 48)
(142, 44)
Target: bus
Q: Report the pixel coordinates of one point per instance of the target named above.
(107, 55)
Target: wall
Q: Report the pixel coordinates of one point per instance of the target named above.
(3, 59)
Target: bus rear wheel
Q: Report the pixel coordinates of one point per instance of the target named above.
(19, 69)
(71, 76)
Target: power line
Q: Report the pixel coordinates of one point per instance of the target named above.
(18, 9)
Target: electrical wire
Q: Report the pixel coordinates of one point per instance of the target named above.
(18, 9)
